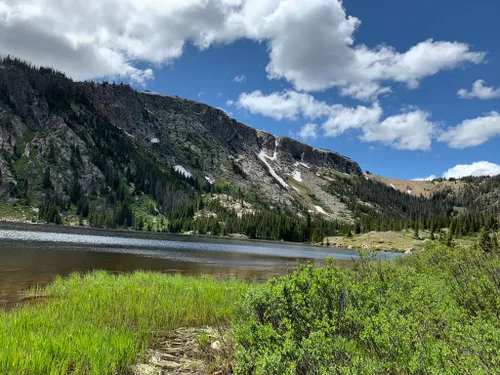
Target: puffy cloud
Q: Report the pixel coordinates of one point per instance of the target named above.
(473, 132)
(240, 78)
(108, 37)
(283, 105)
(410, 130)
(407, 131)
(479, 90)
(308, 131)
(310, 44)
(364, 91)
(422, 60)
(479, 168)
(343, 118)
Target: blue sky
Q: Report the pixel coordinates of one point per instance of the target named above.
(376, 81)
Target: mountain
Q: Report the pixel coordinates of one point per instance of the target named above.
(109, 155)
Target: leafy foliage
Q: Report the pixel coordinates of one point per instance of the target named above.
(418, 315)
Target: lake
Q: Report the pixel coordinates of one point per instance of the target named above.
(33, 255)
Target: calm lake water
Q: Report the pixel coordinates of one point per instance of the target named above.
(33, 255)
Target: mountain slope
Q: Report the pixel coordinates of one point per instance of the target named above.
(114, 156)
(68, 142)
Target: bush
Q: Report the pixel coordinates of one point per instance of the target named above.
(436, 312)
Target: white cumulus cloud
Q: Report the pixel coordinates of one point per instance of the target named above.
(472, 132)
(288, 104)
(310, 43)
(309, 131)
(364, 91)
(476, 169)
(479, 168)
(407, 131)
(410, 130)
(479, 90)
(341, 118)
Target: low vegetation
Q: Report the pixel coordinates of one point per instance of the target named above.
(102, 323)
(402, 241)
(437, 311)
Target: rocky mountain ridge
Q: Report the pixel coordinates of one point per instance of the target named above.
(113, 156)
(44, 126)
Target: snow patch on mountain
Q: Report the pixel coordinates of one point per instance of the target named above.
(183, 171)
(320, 210)
(262, 156)
(296, 176)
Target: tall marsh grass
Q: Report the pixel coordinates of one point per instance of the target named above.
(101, 323)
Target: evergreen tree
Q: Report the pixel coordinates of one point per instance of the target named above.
(357, 227)
(494, 242)
(485, 241)
(449, 238)
(416, 233)
(47, 184)
(49, 212)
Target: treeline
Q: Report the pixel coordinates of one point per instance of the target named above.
(379, 207)
(215, 219)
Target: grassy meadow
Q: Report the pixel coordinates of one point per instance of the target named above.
(101, 323)
(393, 241)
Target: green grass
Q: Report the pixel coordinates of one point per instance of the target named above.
(28, 136)
(391, 241)
(20, 164)
(10, 212)
(101, 323)
(300, 186)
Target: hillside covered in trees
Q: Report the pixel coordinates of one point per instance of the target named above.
(105, 155)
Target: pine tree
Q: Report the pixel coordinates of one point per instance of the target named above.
(357, 227)
(449, 238)
(417, 230)
(47, 184)
(494, 242)
(485, 241)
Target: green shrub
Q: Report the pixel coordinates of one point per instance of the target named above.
(436, 312)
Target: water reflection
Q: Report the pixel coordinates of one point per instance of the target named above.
(29, 257)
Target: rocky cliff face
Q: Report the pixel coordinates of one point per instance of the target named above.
(48, 122)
